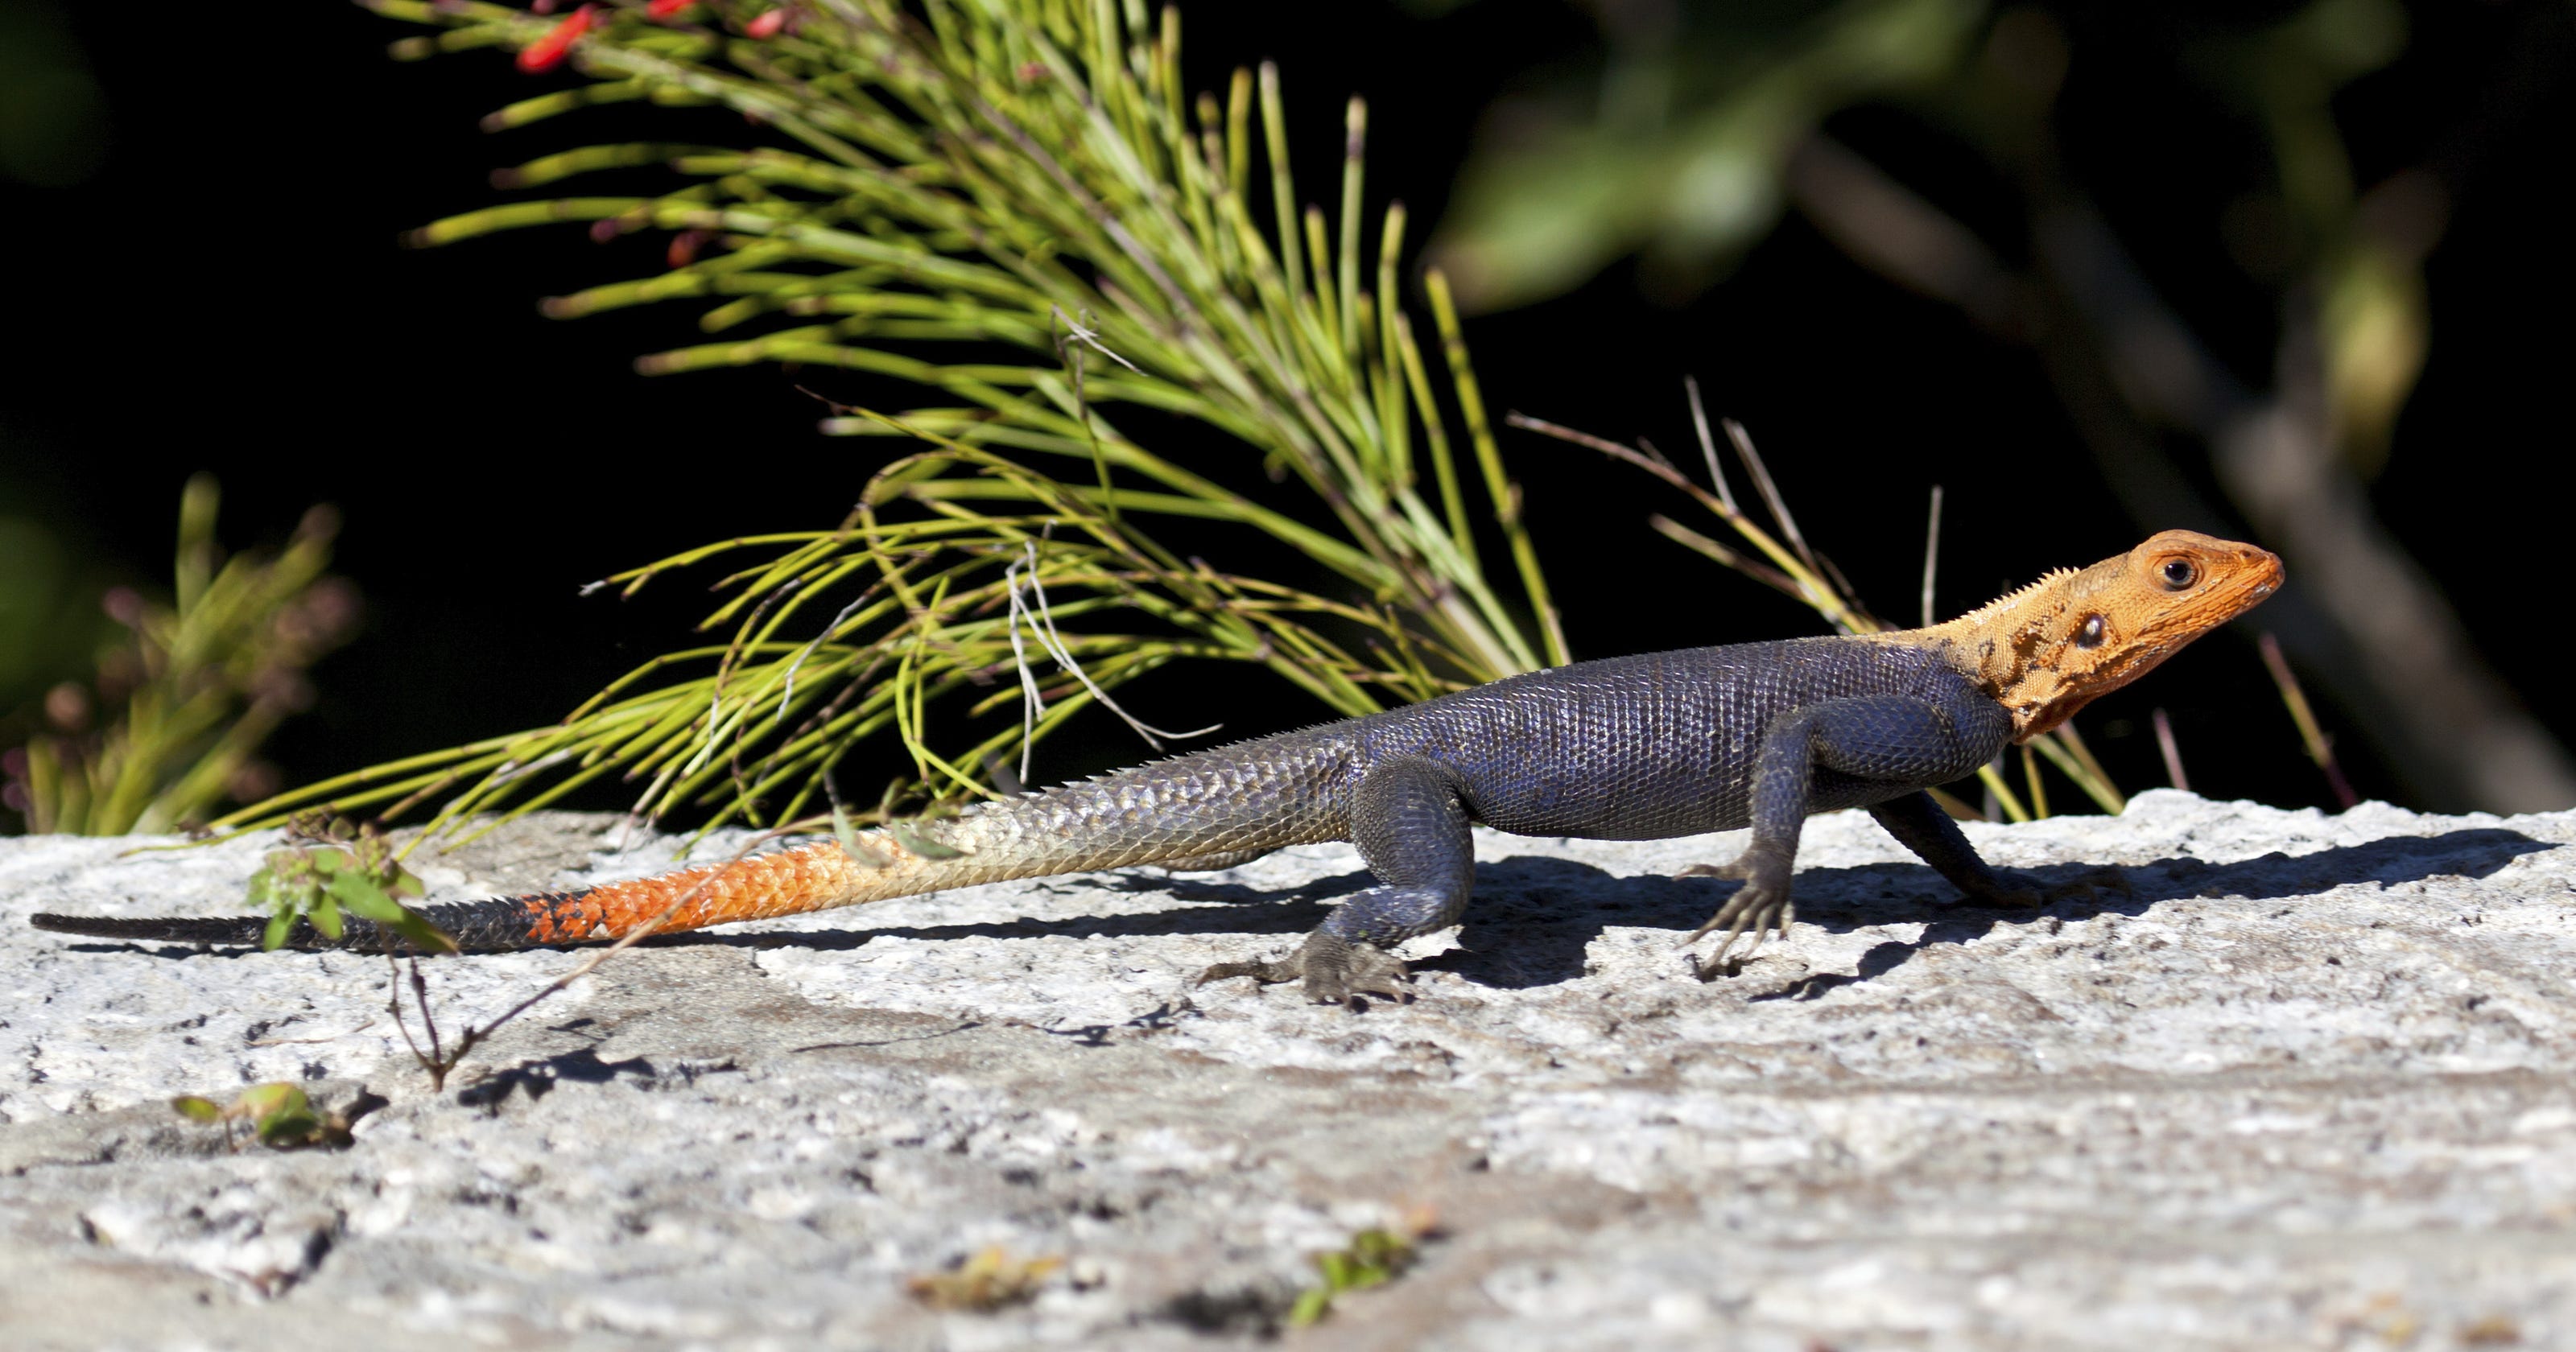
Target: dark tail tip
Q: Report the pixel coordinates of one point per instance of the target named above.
(496, 925)
(228, 930)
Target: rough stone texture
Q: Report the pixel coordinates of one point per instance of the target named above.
(2308, 1087)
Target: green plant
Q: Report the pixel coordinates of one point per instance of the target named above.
(989, 1280)
(333, 864)
(1374, 1257)
(1009, 206)
(171, 725)
(279, 1113)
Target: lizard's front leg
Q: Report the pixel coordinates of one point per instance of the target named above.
(1895, 739)
(1410, 824)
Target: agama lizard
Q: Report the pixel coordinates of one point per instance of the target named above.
(1629, 748)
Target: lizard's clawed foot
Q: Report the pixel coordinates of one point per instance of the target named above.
(2015, 890)
(1334, 969)
(1760, 907)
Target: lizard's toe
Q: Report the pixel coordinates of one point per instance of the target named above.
(1264, 972)
(1758, 909)
(1369, 971)
(1760, 906)
(1337, 970)
(1333, 969)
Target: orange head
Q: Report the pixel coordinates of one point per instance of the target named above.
(2074, 636)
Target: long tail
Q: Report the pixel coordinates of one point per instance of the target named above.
(1229, 803)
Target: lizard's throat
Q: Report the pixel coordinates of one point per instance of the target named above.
(2040, 698)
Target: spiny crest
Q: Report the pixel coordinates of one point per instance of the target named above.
(2015, 600)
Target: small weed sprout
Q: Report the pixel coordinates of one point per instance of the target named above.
(281, 1117)
(988, 1281)
(439, 1061)
(333, 864)
(1374, 1257)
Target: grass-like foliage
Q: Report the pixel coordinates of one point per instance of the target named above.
(171, 725)
(1013, 208)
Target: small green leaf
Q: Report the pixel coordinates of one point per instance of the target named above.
(326, 917)
(279, 925)
(273, 1097)
(197, 1109)
(1382, 1251)
(1313, 1304)
(289, 1127)
(423, 935)
(364, 896)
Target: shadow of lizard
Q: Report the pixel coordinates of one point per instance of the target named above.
(1535, 917)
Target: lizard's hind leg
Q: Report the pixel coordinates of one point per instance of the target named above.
(1920, 825)
(1411, 827)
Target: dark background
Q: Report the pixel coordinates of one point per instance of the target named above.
(226, 292)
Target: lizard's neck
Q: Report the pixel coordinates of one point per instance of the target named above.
(2010, 649)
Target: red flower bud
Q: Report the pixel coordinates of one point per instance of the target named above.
(664, 11)
(767, 25)
(548, 52)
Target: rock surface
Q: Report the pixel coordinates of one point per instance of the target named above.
(2308, 1087)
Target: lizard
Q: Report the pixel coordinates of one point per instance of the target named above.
(1644, 747)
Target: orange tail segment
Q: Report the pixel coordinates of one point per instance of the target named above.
(813, 878)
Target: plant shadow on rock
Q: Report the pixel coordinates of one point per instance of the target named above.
(538, 1078)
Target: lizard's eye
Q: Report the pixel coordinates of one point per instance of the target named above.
(2093, 632)
(2179, 573)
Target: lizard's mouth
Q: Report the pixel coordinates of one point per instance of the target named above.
(2266, 579)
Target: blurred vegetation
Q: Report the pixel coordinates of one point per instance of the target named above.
(166, 726)
(1691, 131)
(53, 122)
(1685, 148)
(1676, 147)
